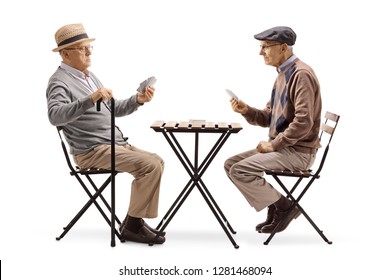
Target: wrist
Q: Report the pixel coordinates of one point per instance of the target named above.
(137, 99)
(92, 99)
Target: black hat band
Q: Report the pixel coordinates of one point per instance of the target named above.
(73, 39)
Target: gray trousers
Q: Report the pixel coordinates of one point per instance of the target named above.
(245, 170)
(146, 168)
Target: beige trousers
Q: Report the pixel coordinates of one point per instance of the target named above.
(245, 170)
(146, 168)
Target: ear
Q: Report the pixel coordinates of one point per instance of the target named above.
(284, 48)
(64, 54)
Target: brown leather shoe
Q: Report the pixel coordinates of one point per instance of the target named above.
(144, 235)
(144, 223)
(284, 217)
(270, 217)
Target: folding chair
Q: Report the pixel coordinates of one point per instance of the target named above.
(328, 127)
(93, 191)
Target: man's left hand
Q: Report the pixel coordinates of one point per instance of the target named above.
(146, 96)
(265, 147)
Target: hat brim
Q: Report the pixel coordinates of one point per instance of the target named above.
(75, 42)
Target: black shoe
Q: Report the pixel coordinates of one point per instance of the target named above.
(283, 217)
(152, 229)
(144, 235)
(144, 223)
(270, 217)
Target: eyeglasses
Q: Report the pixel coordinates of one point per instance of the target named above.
(81, 49)
(266, 47)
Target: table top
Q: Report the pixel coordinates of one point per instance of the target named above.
(195, 126)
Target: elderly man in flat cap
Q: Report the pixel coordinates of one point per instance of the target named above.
(293, 115)
(72, 94)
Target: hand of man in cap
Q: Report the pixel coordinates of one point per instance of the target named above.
(265, 147)
(146, 96)
(239, 106)
(102, 93)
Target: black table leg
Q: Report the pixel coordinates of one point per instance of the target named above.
(196, 171)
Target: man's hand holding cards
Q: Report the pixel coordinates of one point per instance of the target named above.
(238, 105)
(146, 90)
(147, 83)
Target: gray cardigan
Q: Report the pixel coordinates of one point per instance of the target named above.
(70, 106)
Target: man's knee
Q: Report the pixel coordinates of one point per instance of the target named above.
(235, 170)
(228, 165)
(155, 166)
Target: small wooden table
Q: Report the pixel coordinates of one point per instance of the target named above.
(194, 170)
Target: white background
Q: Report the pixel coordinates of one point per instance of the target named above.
(195, 49)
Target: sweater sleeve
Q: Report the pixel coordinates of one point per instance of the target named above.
(126, 106)
(258, 117)
(122, 107)
(62, 107)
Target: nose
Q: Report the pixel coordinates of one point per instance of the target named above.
(261, 51)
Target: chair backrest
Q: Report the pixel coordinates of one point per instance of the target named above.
(65, 149)
(328, 127)
(73, 167)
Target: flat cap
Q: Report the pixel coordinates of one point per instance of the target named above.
(282, 34)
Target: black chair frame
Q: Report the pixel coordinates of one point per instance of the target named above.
(93, 191)
(310, 175)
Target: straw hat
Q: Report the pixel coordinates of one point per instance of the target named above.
(69, 35)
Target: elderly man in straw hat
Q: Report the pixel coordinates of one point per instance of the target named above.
(72, 93)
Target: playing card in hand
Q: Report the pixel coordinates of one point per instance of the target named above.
(231, 94)
(151, 81)
(147, 83)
